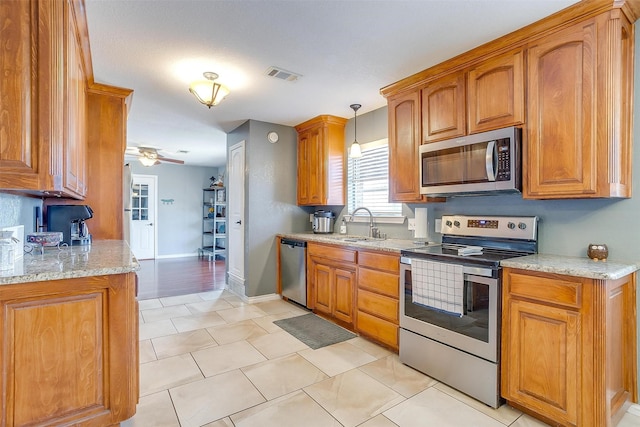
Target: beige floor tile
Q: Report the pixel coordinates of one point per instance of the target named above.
(226, 334)
(337, 358)
(156, 329)
(224, 358)
(147, 353)
(148, 304)
(225, 422)
(197, 321)
(140, 318)
(214, 398)
(180, 299)
(277, 344)
(275, 378)
(243, 312)
(379, 421)
(401, 378)
(208, 306)
(527, 421)
(629, 420)
(370, 347)
(440, 409)
(275, 306)
(266, 322)
(185, 342)
(232, 299)
(156, 314)
(505, 413)
(293, 410)
(353, 397)
(155, 410)
(211, 295)
(166, 373)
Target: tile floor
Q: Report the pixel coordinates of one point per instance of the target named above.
(208, 359)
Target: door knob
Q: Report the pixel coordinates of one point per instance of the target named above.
(239, 222)
(150, 224)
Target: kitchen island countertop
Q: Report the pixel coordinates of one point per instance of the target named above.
(356, 242)
(102, 257)
(573, 266)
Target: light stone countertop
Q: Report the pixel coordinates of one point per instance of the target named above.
(102, 257)
(573, 266)
(385, 245)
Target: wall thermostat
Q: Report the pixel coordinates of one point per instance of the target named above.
(273, 137)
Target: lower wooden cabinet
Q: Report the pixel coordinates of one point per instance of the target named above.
(569, 347)
(70, 352)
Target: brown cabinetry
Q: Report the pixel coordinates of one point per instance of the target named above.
(70, 354)
(579, 90)
(321, 161)
(443, 108)
(378, 293)
(43, 90)
(569, 347)
(332, 276)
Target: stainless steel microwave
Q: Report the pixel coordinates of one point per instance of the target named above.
(483, 163)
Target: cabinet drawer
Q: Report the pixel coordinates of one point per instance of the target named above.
(378, 329)
(378, 281)
(379, 261)
(554, 289)
(379, 305)
(331, 252)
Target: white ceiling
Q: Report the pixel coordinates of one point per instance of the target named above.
(345, 50)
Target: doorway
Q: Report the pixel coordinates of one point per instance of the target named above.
(235, 198)
(144, 207)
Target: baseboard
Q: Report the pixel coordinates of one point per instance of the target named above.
(176, 255)
(261, 298)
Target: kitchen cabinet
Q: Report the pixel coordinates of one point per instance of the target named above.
(569, 347)
(443, 108)
(378, 297)
(43, 131)
(331, 271)
(579, 96)
(321, 173)
(70, 353)
(495, 92)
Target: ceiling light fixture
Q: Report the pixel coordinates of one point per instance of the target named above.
(208, 92)
(147, 161)
(355, 151)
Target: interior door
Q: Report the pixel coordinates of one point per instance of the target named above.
(235, 199)
(143, 216)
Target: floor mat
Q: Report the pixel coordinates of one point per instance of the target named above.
(314, 331)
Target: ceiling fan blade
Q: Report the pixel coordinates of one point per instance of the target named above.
(166, 159)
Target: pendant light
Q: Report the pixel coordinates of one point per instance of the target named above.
(207, 91)
(355, 151)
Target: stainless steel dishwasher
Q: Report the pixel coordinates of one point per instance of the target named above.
(293, 270)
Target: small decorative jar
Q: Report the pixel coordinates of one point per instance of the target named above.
(597, 251)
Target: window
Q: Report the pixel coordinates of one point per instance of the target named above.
(368, 181)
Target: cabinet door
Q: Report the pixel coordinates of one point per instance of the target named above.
(541, 359)
(323, 287)
(344, 283)
(443, 108)
(303, 169)
(495, 93)
(404, 140)
(315, 166)
(561, 154)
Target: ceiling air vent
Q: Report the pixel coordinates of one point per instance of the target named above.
(282, 74)
(181, 152)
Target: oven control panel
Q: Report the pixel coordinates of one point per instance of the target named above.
(510, 227)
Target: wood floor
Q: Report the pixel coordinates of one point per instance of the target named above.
(179, 276)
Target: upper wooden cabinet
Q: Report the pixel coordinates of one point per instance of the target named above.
(321, 161)
(495, 92)
(443, 108)
(579, 116)
(43, 87)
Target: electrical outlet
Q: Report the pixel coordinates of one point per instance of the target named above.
(438, 225)
(411, 224)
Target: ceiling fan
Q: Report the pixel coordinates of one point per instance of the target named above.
(149, 156)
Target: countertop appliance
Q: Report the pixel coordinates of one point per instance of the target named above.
(293, 270)
(450, 301)
(323, 222)
(70, 220)
(481, 163)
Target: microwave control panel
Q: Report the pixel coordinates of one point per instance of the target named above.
(504, 160)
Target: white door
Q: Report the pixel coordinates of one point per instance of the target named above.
(143, 216)
(235, 200)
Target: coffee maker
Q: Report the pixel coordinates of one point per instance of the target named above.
(69, 219)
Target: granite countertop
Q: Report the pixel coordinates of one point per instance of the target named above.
(356, 242)
(102, 257)
(573, 266)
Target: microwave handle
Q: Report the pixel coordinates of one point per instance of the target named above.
(489, 163)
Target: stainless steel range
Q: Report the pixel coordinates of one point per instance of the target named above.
(450, 301)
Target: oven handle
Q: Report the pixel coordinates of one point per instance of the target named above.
(483, 280)
(479, 271)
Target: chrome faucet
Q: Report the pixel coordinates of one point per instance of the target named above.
(373, 231)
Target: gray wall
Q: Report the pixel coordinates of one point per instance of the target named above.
(179, 223)
(270, 199)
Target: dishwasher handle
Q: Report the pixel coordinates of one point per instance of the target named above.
(292, 243)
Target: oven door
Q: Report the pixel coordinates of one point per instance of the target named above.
(475, 332)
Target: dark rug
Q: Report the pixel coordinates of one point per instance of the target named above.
(314, 331)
